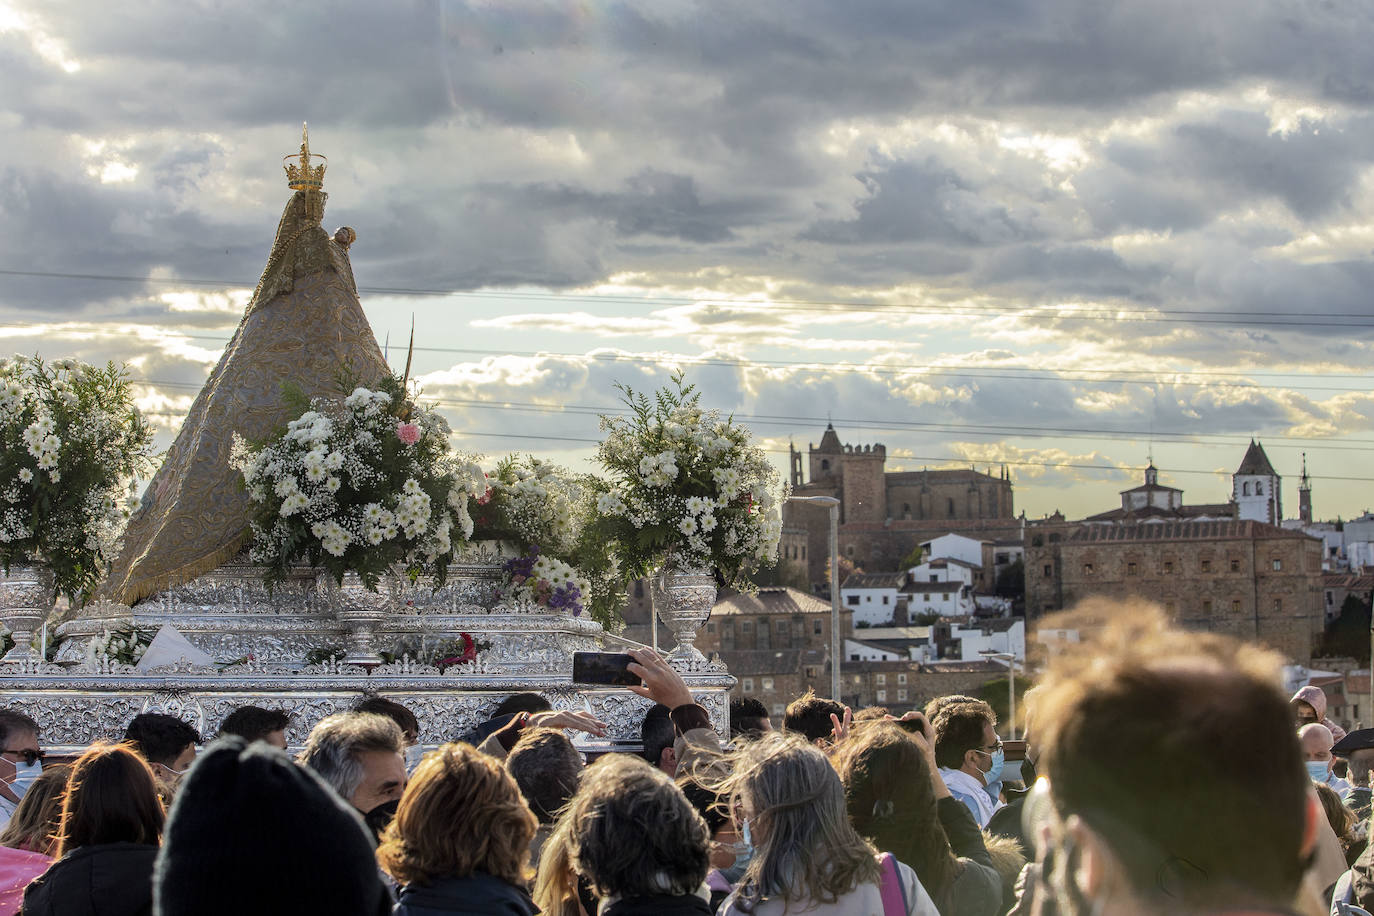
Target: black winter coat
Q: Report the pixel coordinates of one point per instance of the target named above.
(476, 895)
(662, 905)
(114, 879)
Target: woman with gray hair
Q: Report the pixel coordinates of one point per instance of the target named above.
(788, 802)
(638, 840)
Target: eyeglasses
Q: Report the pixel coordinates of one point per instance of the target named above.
(984, 749)
(29, 754)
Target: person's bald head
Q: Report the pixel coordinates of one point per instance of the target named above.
(1316, 740)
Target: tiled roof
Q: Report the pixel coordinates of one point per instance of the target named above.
(873, 580)
(1181, 531)
(754, 662)
(1256, 462)
(957, 475)
(1348, 581)
(769, 601)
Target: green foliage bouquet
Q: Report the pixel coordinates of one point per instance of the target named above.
(71, 444)
(686, 488)
(362, 484)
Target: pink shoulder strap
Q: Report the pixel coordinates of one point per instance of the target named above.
(894, 894)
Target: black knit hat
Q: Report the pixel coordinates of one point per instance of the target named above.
(252, 832)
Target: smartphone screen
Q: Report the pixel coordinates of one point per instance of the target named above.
(603, 668)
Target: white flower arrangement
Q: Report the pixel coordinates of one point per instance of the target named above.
(686, 488)
(548, 582)
(543, 510)
(71, 445)
(126, 645)
(360, 484)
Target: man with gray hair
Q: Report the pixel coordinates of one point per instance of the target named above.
(362, 757)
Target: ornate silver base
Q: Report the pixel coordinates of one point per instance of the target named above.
(72, 711)
(231, 616)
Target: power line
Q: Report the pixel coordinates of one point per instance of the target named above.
(1116, 314)
(889, 369)
(1022, 432)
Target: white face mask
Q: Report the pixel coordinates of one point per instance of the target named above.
(24, 776)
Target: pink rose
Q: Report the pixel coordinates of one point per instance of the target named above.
(408, 433)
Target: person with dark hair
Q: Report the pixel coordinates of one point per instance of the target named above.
(898, 801)
(21, 760)
(521, 702)
(460, 840)
(546, 767)
(809, 716)
(970, 755)
(729, 852)
(251, 832)
(749, 717)
(1357, 748)
(253, 723)
(658, 737)
(359, 755)
(1163, 829)
(28, 841)
(167, 743)
(639, 842)
(405, 719)
(107, 839)
(807, 856)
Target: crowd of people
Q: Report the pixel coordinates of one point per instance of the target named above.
(1164, 773)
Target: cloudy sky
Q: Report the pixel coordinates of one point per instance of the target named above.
(1059, 235)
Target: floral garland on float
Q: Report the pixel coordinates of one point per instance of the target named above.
(688, 498)
(364, 484)
(543, 510)
(72, 443)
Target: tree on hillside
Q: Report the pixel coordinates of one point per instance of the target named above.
(915, 558)
(1011, 582)
(1348, 635)
(847, 569)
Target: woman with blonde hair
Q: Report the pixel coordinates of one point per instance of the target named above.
(556, 890)
(808, 859)
(460, 841)
(29, 839)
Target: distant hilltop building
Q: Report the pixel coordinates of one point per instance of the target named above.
(884, 514)
(1221, 567)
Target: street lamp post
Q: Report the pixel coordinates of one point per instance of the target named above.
(1011, 689)
(834, 506)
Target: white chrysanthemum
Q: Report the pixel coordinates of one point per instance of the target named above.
(25, 475)
(688, 525)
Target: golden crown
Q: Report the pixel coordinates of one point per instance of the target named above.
(305, 177)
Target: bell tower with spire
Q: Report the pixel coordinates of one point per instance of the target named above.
(1305, 494)
(1255, 488)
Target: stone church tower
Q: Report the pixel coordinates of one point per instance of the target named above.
(1255, 488)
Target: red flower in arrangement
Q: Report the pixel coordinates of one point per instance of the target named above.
(469, 653)
(408, 433)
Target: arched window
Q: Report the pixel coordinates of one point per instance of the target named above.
(1259, 488)
(1245, 488)
(825, 464)
(949, 506)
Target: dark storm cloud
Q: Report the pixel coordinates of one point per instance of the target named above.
(919, 202)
